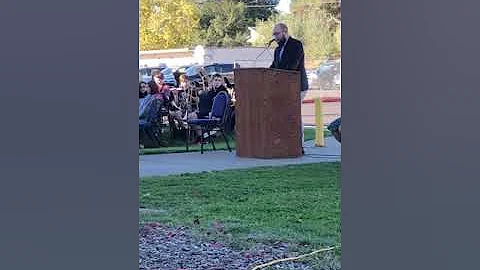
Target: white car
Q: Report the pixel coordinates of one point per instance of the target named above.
(312, 75)
(328, 75)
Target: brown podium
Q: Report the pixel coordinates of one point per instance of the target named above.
(267, 113)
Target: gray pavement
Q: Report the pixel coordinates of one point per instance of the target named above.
(168, 164)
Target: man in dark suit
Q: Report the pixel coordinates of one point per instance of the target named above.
(289, 55)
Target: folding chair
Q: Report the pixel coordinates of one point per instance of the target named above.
(216, 122)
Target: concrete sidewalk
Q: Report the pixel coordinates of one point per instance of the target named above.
(168, 164)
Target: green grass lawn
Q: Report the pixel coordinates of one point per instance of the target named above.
(179, 145)
(298, 204)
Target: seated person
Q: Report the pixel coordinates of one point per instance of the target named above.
(149, 116)
(145, 101)
(335, 129)
(158, 86)
(149, 109)
(143, 88)
(205, 102)
(181, 105)
(187, 96)
(162, 91)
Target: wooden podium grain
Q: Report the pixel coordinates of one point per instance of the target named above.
(267, 113)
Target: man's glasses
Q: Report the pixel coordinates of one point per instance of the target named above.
(276, 33)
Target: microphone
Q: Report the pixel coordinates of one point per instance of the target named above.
(267, 46)
(270, 42)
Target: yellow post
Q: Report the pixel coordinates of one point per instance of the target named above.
(319, 136)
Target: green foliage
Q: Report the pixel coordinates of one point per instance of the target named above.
(167, 23)
(254, 13)
(338, 38)
(318, 35)
(332, 7)
(315, 27)
(223, 23)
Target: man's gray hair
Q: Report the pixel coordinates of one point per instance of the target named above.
(282, 26)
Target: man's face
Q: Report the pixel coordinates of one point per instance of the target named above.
(158, 79)
(142, 88)
(278, 34)
(147, 89)
(217, 82)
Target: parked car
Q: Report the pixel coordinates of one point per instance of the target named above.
(195, 73)
(311, 75)
(328, 75)
(179, 71)
(169, 77)
(226, 70)
(219, 68)
(146, 74)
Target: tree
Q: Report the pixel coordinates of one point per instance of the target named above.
(331, 7)
(167, 24)
(223, 23)
(313, 26)
(318, 35)
(178, 23)
(254, 9)
(259, 10)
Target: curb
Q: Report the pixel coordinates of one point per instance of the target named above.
(324, 99)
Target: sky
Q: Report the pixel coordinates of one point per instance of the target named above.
(284, 6)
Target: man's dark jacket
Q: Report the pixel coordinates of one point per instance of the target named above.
(292, 59)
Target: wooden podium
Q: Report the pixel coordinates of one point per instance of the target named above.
(267, 113)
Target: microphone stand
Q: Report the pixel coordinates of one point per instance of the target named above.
(267, 46)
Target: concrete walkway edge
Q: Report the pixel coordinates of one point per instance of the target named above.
(194, 162)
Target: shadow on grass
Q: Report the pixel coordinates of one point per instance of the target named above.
(178, 146)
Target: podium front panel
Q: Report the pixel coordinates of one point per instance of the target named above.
(268, 113)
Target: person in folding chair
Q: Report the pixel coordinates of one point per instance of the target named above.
(205, 103)
(335, 128)
(150, 118)
(216, 121)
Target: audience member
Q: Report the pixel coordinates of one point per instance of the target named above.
(187, 104)
(335, 128)
(145, 102)
(189, 94)
(158, 86)
(143, 89)
(206, 102)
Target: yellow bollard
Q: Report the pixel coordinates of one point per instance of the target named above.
(319, 136)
